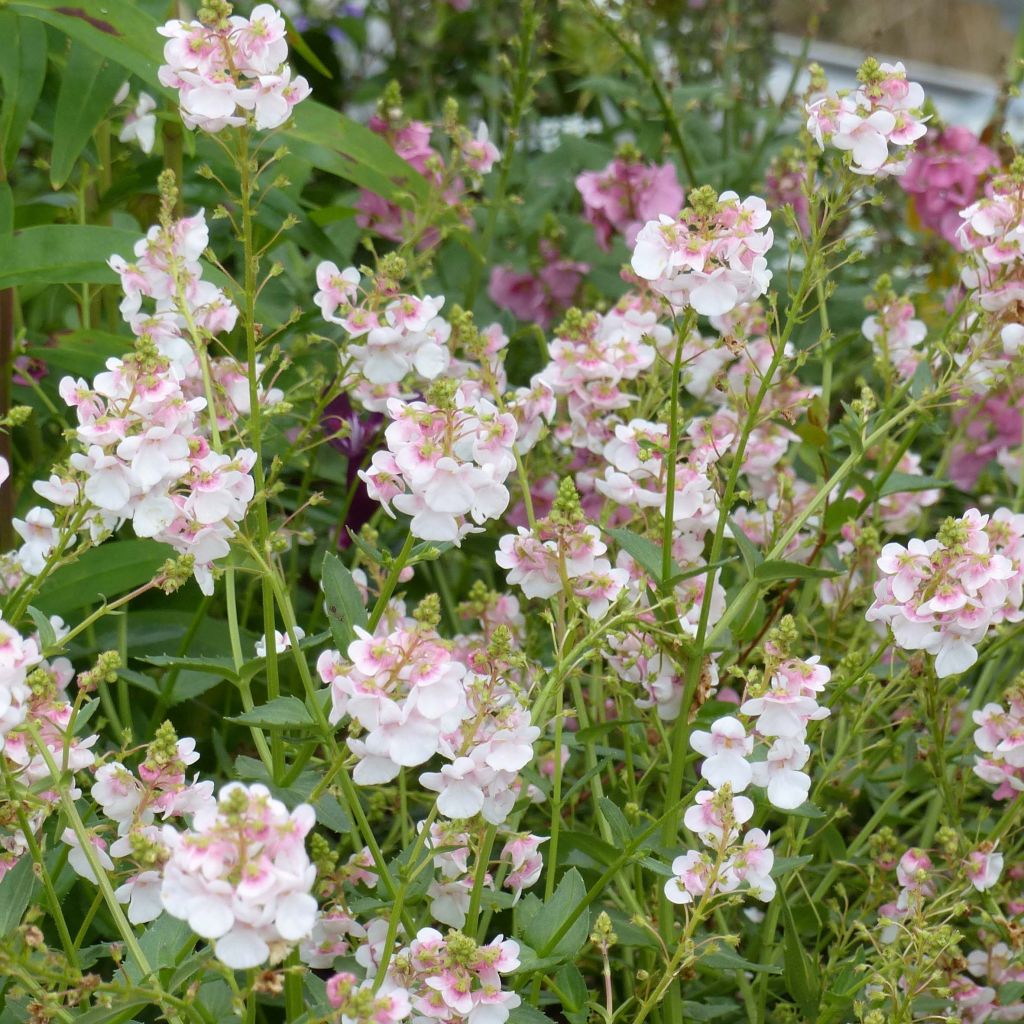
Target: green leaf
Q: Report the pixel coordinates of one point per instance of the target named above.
(122, 32)
(104, 572)
(840, 512)
(113, 1014)
(224, 668)
(783, 864)
(752, 558)
(902, 483)
(81, 353)
(727, 960)
(798, 971)
(541, 921)
(62, 254)
(777, 569)
(343, 147)
(160, 943)
(47, 637)
(342, 601)
(707, 1011)
(22, 71)
(572, 987)
(643, 551)
(526, 1014)
(15, 894)
(87, 89)
(280, 713)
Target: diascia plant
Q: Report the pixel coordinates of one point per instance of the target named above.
(543, 545)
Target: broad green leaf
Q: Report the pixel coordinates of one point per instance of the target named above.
(542, 921)
(901, 483)
(6, 209)
(62, 254)
(113, 1014)
(708, 1011)
(783, 864)
(81, 353)
(342, 601)
(781, 570)
(840, 512)
(87, 89)
(104, 572)
(799, 972)
(752, 558)
(727, 960)
(22, 71)
(161, 943)
(343, 147)
(643, 551)
(222, 667)
(47, 637)
(120, 31)
(572, 986)
(280, 713)
(15, 894)
(526, 1014)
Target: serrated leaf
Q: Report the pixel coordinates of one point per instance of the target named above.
(777, 569)
(280, 713)
(88, 85)
(342, 601)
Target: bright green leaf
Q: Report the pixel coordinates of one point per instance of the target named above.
(777, 569)
(62, 254)
(342, 601)
(280, 713)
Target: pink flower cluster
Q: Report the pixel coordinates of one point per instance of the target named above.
(711, 257)
(241, 876)
(592, 357)
(538, 295)
(895, 334)
(405, 689)
(942, 595)
(884, 110)
(415, 699)
(782, 710)
(145, 454)
(625, 195)
(230, 70)
(943, 177)
(554, 554)
(17, 656)
(992, 238)
(1000, 738)
(452, 979)
(132, 803)
(402, 334)
(445, 464)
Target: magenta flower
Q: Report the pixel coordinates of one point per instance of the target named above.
(943, 177)
(625, 195)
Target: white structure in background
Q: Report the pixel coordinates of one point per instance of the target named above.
(961, 97)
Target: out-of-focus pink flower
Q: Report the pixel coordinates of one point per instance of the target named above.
(538, 296)
(943, 178)
(625, 195)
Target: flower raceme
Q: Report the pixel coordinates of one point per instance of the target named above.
(446, 462)
(942, 595)
(884, 110)
(228, 69)
(711, 257)
(241, 876)
(144, 425)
